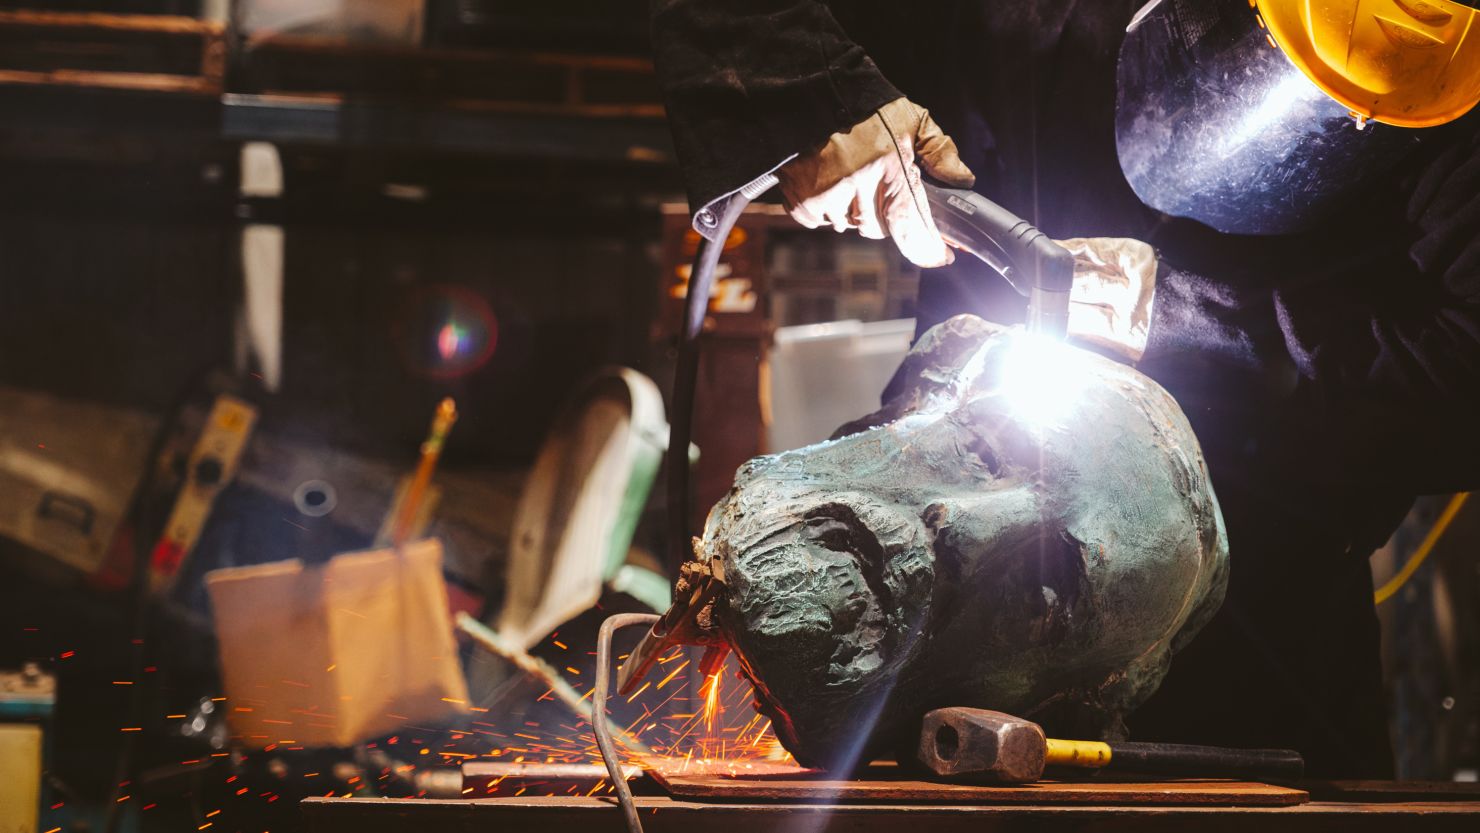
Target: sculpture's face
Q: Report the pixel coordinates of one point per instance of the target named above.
(972, 550)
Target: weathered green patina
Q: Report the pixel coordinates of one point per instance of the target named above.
(949, 551)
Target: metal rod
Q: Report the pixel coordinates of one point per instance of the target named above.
(598, 717)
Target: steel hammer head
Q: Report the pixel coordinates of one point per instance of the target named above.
(976, 744)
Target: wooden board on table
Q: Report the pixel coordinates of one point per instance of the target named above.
(813, 787)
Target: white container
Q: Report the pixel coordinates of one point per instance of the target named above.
(823, 375)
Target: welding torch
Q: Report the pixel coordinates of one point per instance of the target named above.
(1028, 259)
(1034, 264)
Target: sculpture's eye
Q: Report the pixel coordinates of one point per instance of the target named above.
(983, 453)
(838, 528)
(831, 533)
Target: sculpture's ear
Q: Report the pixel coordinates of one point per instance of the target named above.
(930, 368)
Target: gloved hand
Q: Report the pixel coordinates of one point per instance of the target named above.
(865, 178)
(1114, 286)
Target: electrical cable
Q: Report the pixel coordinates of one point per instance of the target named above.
(685, 383)
(598, 711)
(686, 376)
(1394, 584)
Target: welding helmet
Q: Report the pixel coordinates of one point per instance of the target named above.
(1258, 116)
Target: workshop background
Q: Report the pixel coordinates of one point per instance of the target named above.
(315, 220)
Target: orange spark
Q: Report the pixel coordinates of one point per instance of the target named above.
(672, 674)
(711, 702)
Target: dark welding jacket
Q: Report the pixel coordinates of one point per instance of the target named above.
(1331, 376)
(749, 84)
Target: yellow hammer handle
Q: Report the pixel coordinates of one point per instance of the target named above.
(1084, 754)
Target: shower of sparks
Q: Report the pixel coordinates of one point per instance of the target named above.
(711, 701)
(692, 723)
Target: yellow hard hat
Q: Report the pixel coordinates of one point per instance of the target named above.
(1411, 63)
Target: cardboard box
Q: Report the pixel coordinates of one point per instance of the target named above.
(340, 654)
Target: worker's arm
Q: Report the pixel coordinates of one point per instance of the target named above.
(1384, 352)
(756, 86)
(749, 84)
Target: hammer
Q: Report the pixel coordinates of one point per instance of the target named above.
(980, 745)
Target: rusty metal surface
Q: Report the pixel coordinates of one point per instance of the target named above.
(497, 779)
(812, 788)
(483, 779)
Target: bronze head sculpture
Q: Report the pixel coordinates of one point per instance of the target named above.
(968, 545)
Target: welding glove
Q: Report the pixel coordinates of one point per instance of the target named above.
(865, 178)
(1114, 285)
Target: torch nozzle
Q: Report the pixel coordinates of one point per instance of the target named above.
(1048, 313)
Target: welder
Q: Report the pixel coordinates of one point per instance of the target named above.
(1275, 206)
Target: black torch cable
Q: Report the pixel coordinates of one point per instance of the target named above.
(598, 711)
(685, 378)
